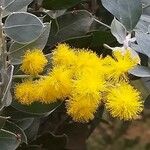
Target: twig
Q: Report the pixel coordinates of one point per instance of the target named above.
(102, 23)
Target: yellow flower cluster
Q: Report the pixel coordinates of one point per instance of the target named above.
(84, 81)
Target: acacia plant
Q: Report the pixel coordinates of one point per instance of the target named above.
(64, 65)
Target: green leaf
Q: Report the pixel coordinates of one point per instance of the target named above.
(118, 30)
(147, 102)
(60, 4)
(146, 82)
(10, 126)
(17, 50)
(23, 27)
(128, 12)
(16, 114)
(2, 121)
(8, 140)
(32, 130)
(14, 5)
(71, 25)
(25, 123)
(94, 41)
(141, 86)
(36, 108)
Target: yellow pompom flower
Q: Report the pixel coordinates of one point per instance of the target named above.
(89, 86)
(33, 62)
(116, 68)
(56, 86)
(87, 62)
(63, 55)
(46, 92)
(123, 101)
(85, 99)
(25, 92)
(124, 62)
(61, 81)
(81, 108)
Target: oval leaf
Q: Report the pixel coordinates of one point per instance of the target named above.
(7, 80)
(147, 102)
(8, 140)
(71, 25)
(140, 71)
(23, 27)
(25, 123)
(10, 126)
(14, 5)
(143, 41)
(36, 108)
(17, 50)
(55, 13)
(128, 12)
(118, 30)
(2, 121)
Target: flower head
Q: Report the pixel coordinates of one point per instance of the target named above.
(47, 93)
(57, 85)
(87, 63)
(33, 62)
(25, 92)
(89, 86)
(119, 66)
(123, 102)
(81, 108)
(61, 81)
(63, 55)
(85, 98)
(124, 62)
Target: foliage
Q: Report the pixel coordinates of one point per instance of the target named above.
(30, 25)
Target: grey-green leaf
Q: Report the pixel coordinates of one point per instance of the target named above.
(136, 48)
(142, 26)
(23, 27)
(17, 50)
(118, 31)
(140, 71)
(143, 41)
(7, 80)
(6, 13)
(15, 5)
(127, 12)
